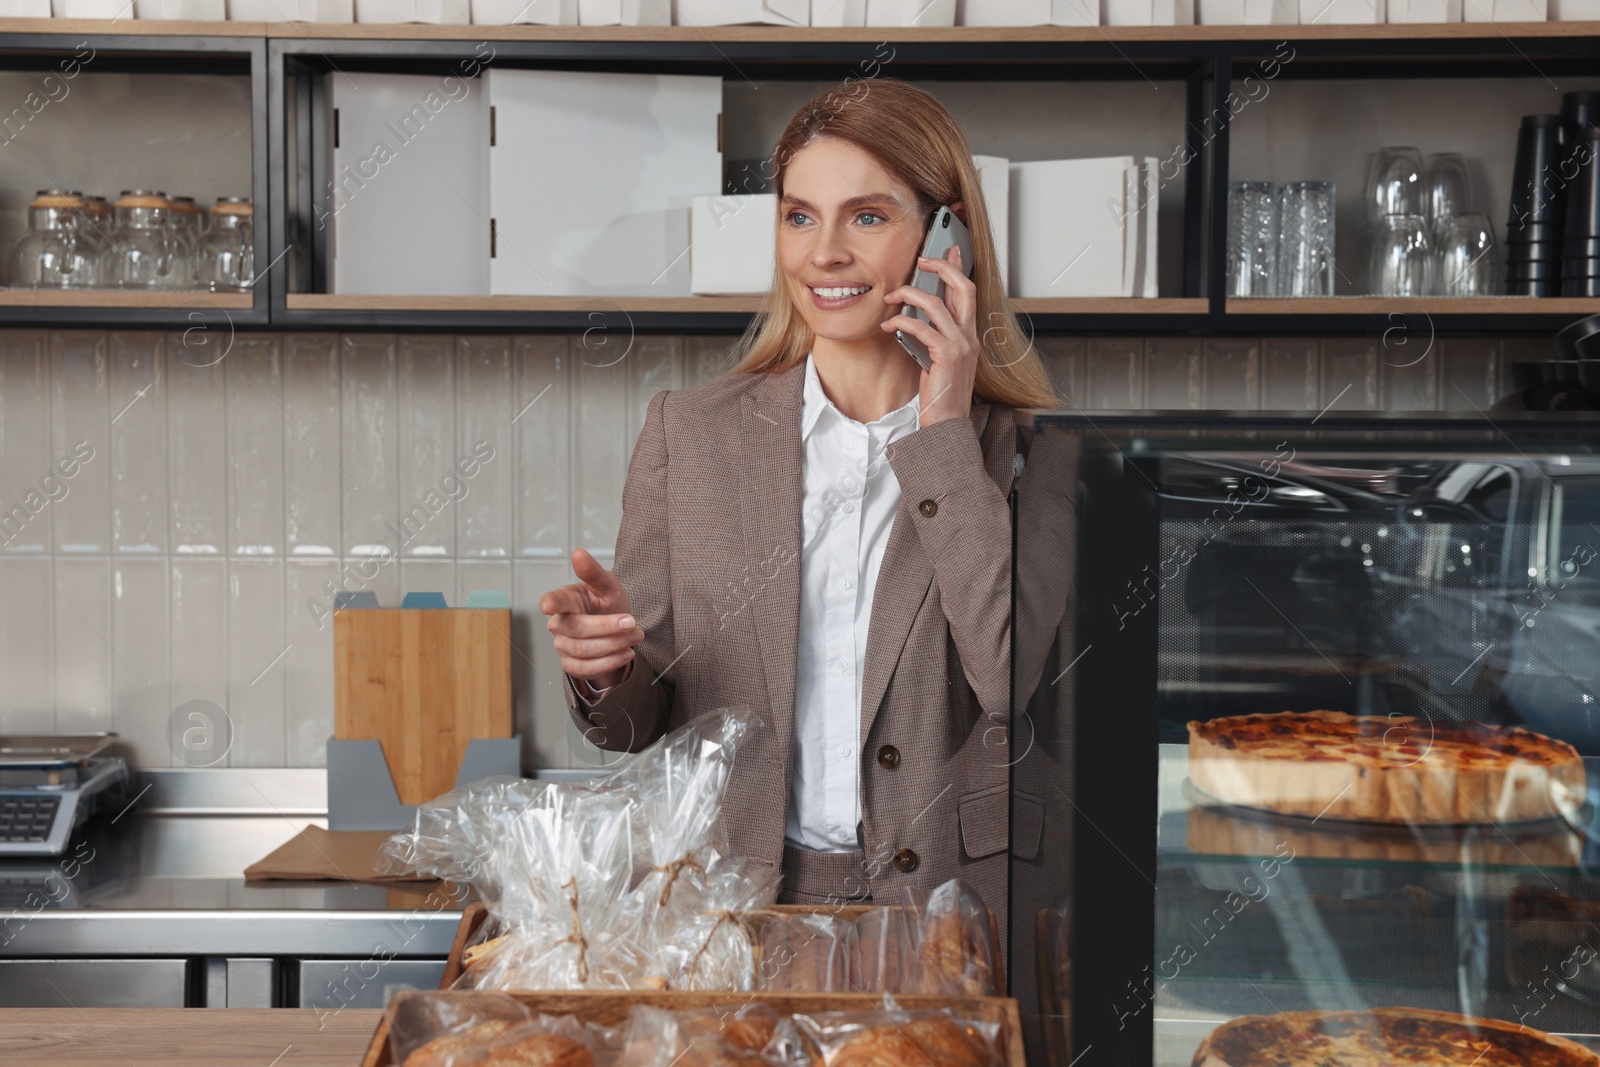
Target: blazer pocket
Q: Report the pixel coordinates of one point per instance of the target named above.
(985, 822)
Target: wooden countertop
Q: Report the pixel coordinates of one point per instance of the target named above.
(180, 1037)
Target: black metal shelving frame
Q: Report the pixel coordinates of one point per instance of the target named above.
(175, 54)
(289, 163)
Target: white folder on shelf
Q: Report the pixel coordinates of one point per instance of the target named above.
(1575, 10)
(838, 12)
(1246, 12)
(1505, 10)
(291, 10)
(591, 178)
(407, 207)
(904, 13)
(733, 244)
(625, 12)
(994, 175)
(1067, 227)
(742, 12)
(429, 12)
(197, 10)
(1345, 12)
(525, 12)
(1003, 12)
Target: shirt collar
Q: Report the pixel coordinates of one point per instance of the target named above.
(813, 402)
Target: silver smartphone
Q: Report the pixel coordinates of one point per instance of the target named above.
(945, 230)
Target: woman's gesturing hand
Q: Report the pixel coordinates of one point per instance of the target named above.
(951, 336)
(595, 632)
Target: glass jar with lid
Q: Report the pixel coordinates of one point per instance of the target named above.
(94, 227)
(52, 254)
(188, 221)
(145, 252)
(226, 258)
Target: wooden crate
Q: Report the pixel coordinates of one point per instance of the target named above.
(611, 1009)
(475, 915)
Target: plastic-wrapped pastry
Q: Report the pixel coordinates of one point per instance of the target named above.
(956, 957)
(892, 1037)
(430, 1029)
(806, 954)
(885, 950)
(555, 863)
(709, 1038)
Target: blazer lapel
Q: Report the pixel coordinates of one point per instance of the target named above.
(904, 578)
(770, 489)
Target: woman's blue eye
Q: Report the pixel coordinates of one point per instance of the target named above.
(794, 215)
(869, 215)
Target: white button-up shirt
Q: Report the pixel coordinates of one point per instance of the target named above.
(848, 506)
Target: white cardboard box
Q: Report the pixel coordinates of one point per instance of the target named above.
(25, 9)
(743, 12)
(1067, 222)
(994, 175)
(1425, 10)
(903, 13)
(1575, 10)
(291, 10)
(1329, 12)
(408, 211)
(838, 12)
(1247, 12)
(1075, 12)
(200, 10)
(1003, 12)
(625, 12)
(1505, 10)
(433, 12)
(525, 12)
(595, 200)
(733, 244)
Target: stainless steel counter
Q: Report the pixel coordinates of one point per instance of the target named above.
(161, 885)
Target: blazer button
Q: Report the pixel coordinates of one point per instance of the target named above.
(905, 860)
(888, 757)
(928, 508)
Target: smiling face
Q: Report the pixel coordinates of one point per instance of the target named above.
(848, 233)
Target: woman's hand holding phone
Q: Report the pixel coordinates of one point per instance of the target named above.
(951, 337)
(594, 629)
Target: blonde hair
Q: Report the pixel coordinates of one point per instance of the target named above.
(914, 138)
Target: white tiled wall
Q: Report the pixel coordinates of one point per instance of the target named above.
(191, 555)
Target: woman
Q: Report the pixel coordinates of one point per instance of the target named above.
(824, 533)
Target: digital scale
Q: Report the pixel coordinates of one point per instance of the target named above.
(50, 784)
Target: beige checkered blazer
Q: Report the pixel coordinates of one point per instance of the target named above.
(709, 553)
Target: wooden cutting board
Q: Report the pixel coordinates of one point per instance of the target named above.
(422, 682)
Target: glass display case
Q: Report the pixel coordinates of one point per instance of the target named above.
(1306, 745)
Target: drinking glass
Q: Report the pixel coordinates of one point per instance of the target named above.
(1449, 188)
(1252, 239)
(1305, 258)
(1402, 256)
(226, 255)
(1394, 184)
(1467, 257)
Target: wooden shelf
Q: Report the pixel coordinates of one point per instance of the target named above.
(124, 299)
(802, 34)
(132, 27)
(696, 304)
(360, 302)
(1432, 305)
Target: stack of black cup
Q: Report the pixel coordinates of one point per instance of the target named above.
(1533, 234)
(1553, 236)
(1580, 255)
